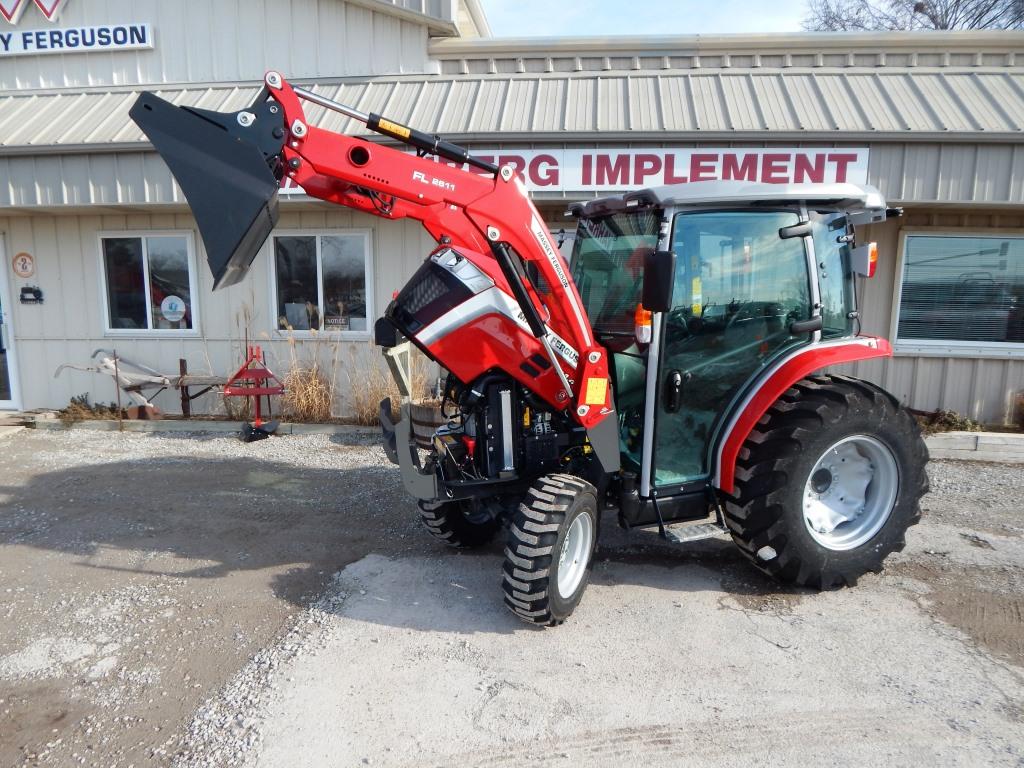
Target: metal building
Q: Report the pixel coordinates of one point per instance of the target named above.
(99, 250)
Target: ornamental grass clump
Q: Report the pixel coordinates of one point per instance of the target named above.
(310, 385)
(308, 394)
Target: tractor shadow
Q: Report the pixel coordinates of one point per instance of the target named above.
(317, 532)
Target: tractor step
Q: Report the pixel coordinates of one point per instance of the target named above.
(683, 533)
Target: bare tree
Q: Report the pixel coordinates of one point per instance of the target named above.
(878, 15)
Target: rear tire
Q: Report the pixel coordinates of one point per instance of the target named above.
(828, 483)
(550, 549)
(460, 524)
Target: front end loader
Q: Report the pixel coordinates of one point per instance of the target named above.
(672, 372)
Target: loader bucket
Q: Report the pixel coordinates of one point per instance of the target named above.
(226, 168)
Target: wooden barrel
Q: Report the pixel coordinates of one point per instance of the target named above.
(425, 421)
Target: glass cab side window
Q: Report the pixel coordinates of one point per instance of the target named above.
(736, 280)
(835, 280)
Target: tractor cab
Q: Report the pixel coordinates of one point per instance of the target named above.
(698, 291)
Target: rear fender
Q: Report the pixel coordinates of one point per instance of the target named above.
(773, 383)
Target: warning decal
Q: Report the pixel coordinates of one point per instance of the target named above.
(597, 391)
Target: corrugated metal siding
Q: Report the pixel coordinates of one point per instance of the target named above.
(230, 40)
(801, 106)
(66, 250)
(980, 388)
(973, 174)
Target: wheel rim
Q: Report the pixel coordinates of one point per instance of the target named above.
(850, 492)
(572, 560)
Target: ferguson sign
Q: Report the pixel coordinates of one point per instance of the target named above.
(113, 37)
(604, 170)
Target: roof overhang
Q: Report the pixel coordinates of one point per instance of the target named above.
(690, 44)
(437, 24)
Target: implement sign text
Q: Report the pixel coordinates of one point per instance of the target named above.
(610, 170)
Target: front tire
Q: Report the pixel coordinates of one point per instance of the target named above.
(460, 524)
(550, 549)
(828, 483)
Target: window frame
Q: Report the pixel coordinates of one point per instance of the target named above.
(945, 347)
(368, 264)
(193, 282)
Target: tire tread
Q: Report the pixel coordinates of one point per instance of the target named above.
(756, 512)
(533, 532)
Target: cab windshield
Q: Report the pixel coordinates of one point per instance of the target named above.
(608, 266)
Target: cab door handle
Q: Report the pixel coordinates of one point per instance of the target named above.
(672, 394)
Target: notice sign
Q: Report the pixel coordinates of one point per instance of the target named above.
(604, 170)
(110, 37)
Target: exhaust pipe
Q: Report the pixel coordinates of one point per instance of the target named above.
(228, 165)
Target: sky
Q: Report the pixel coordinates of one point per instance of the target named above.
(564, 18)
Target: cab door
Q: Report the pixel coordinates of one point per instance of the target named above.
(739, 287)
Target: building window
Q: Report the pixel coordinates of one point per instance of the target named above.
(149, 281)
(962, 293)
(323, 282)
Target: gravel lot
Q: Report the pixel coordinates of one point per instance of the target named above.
(186, 600)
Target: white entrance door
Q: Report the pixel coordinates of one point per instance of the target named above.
(9, 396)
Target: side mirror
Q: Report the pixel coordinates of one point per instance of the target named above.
(659, 280)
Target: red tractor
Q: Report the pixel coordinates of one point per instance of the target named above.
(672, 371)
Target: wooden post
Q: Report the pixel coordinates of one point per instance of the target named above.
(186, 403)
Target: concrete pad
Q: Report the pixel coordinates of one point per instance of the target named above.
(660, 666)
(8, 431)
(977, 446)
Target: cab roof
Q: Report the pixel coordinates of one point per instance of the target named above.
(848, 197)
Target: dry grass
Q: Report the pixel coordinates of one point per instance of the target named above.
(946, 421)
(311, 384)
(370, 382)
(237, 408)
(80, 409)
(311, 380)
(308, 394)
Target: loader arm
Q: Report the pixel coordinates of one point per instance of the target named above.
(484, 213)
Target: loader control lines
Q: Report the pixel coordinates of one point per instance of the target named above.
(671, 371)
